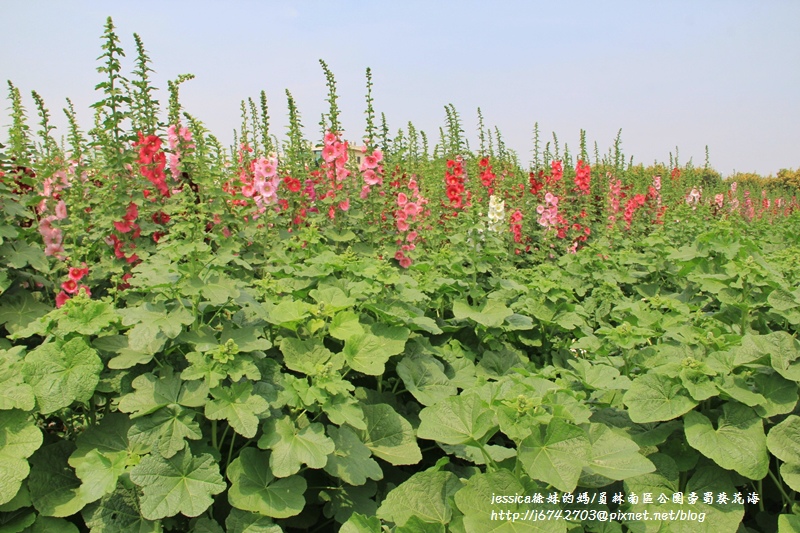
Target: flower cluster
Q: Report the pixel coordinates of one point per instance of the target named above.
(516, 225)
(454, 182)
(631, 206)
(614, 196)
(410, 209)
(497, 213)
(126, 225)
(152, 162)
(583, 177)
(174, 134)
(486, 175)
(548, 213)
(71, 287)
(693, 198)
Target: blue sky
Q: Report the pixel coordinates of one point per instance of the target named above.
(681, 73)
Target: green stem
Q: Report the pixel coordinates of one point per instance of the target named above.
(230, 450)
(787, 501)
(214, 434)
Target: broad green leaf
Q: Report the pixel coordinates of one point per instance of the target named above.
(167, 429)
(19, 439)
(153, 324)
(203, 524)
(344, 325)
(491, 315)
(53, 485)
(19, 253)
(556, 454)
(367, 353)
(477, 501)
(426, 495)
(425, 379)
(48, 524)
(456, 420)
(288, 313)
(293, 447)
(239, 521)
(14, 392)
(180, 484)
(782, 300)
(119, 512)
(218, 289)
(737, 444)
(17, 522)
(152, 393)
(389, 435)
(331, 299)
(416, 524)
(254, 488)
(790, 472)
(719, 517)
(83, 315)
(308, 356)
(344, 409)
(62, 373)
(98, 473)
(788, 523)
(780, 395)
(359, 523)
(341, 504)
(784, 351)
(615, 456)
(238, 406)
(783, 440)
(655, 397)
(351, 460)
(20, 309)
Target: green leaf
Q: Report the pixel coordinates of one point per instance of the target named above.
(457, 420)
(119, 512)
(426, 495)
(308, 356)
(83, 315)
(615, 456)
(19, 438)
(367, 353)
(351, 460)
(180, 484)
(151, 393)
(389, 435)
(20, 309)
(783, 440)
(331, 299)
(784, 351)
(47, 524)
(491, 315)
(239, 521)
(477, 501)
(425, 379)
(53, 484)
(14, 392)
(344, 325)
(655, 397)
(102, 455)
(61, 373)
(238, 406)
(288, 313)
(556, 454)
(167, 429)
(293, 447)
(358, 523)
(254, 488)
(788, 523)
(737, 444)
(153, 324)
(790, 472)
(19, 253)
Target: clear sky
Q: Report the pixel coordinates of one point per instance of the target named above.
(685, 73)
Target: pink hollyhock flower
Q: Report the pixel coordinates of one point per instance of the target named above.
(364, 192)
(402, 225)
(61, 298)
(412, 209)
(248, 190)
(371, 177)
(61, 210)
(405, 262)
(402, 199)
(330, 138)
(76, 274)
(399, 255)
(70, 286)
(344, 205)
(412, 236)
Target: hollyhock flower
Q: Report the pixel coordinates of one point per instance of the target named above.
(583, 176)
(76, 274)
(399, 255)
(364, 192)
(61, 298)
(61, 210)
(402, 199)
(248, 190)
(344, 205)
(405, 262)
(371, 177)
(70, 286)
(412, 236)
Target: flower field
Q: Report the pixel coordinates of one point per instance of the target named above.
(404, 335)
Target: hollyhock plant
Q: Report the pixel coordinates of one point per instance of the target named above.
(583, 177)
